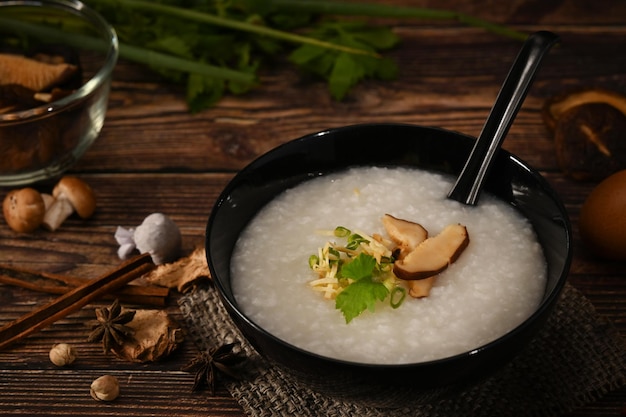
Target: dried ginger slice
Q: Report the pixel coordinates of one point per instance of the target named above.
(183, 274)
(156, 335)
(32, 74)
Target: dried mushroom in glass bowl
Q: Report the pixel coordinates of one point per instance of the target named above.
(56, 59)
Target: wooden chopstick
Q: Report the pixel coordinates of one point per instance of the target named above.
(75, 299)
(60, 284)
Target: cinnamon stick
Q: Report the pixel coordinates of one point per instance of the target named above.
(60, 284)
(75, 299)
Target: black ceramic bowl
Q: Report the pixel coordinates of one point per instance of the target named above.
(511, 180)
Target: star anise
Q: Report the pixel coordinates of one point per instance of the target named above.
(208, 367)
(110, 327)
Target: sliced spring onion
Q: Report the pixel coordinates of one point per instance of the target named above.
(393, 298)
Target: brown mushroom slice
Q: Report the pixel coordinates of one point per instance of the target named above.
(38, 76)
(420, 288)
(433, 255)
(404, 233)
(555, 107)
(408, 235)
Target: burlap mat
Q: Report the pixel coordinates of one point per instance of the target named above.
(576, 358)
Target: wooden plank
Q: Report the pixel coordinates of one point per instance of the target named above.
(154, 156)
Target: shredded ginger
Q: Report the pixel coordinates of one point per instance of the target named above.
(331, 255)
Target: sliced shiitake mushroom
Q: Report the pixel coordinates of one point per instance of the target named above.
(433, 255)
(404, 233)
(556, 106)
(408, 235)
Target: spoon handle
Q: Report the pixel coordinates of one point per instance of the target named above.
(512, 93)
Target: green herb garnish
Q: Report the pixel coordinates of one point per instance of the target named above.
(357, 275)
(364, 292)
(218, 47)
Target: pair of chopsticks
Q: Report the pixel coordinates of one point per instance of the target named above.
(75, 299)
(60, 284)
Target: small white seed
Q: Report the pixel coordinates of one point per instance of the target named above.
(105, 388)
(62, 354)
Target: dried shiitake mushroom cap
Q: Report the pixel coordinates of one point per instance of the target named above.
(590, 141)
(556, 106)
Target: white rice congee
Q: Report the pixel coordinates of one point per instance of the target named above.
(497, 282)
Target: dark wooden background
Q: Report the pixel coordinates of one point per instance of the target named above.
(154, 156)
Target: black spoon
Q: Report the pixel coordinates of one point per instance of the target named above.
(512, 93)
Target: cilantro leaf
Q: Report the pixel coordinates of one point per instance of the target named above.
(363, 293)
(228, 41)
(203, 92)
(342, 70)
(359, 296)
(360, 267)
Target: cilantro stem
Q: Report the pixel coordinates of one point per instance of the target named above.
(132, 53)
(201, 17)
(383, 10)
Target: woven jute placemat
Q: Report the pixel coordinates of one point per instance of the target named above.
(575, 359)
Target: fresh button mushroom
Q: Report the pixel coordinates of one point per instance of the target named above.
(23, 209)
(157, 235)
(71, 195)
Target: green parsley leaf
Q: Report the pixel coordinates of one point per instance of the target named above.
(342, 70)
(360, 267)
(227, 41)
(203, 92)
(362, 294)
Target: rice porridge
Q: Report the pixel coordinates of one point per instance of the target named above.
(495, 284)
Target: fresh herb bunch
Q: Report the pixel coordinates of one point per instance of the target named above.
(242, 36)
(357, 274)
(245, 36)
(218, 47)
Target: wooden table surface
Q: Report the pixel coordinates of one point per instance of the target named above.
(154, 156)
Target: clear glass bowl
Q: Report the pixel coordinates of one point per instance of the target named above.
(46, 139)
